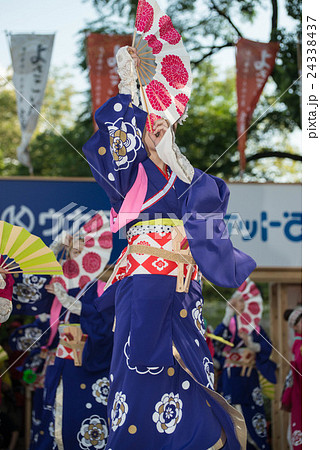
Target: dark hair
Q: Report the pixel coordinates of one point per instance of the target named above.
(287, 313)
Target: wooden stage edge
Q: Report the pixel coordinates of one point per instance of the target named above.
(277, 275)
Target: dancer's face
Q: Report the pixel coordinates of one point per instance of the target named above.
(238, 304)
(298, 327)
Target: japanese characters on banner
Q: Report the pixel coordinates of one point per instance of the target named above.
(101, 56)
(31, 55)
(270, 231)
(255, 62)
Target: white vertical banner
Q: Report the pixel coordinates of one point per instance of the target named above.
(31, 55)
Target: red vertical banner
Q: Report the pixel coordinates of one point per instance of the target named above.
(255, 62)
(101, 57)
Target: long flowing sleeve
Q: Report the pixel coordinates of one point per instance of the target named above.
(66, 300)
(204, 206)
(98, 326)
(128, 74)
(116, 149)
(263, 361)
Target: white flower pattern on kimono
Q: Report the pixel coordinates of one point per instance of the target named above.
(259, 424)
(141, 370)
(51, 429)
(125, 141)
(296, 438)
(29, 290)
(160, 264)
(36, 422)
(93, 433)
(30, 337)
(257, 396)
(34, 363)
(197, 317)
(208, 368)
(168, 413)
(100, 390)
(119, 410)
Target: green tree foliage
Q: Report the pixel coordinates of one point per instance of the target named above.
(208, 26)
(208, 137)
(55, 148)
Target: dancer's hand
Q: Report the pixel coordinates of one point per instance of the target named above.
(160, 126)
(133, 53)
(244, 336)
(49, 288)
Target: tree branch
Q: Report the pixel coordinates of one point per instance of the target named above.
(274, 20)
(223, 14)
(271, 154)
(213, 50)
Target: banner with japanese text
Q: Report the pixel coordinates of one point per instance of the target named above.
(31, 56)
(101, 57)
(255, 62)
(268, 230)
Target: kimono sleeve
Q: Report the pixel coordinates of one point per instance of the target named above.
(116, 149)
(263, 363)
(204, 207)
(98, 326)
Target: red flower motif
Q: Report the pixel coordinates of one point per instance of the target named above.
(242, 330)
(94, 224)
(105, 240)
(181, 101)
(88, 241)
(144, 18)
(153, 118)
(154, 43)
(235, 357)
(84, 279)
(91, 262)
(172, 68)
(254, 308)
(245, 296)
(243, 286)
(254, 290)
(167, 31)
(158, 96)
(245, 318)
(59, 280)
(71, 268)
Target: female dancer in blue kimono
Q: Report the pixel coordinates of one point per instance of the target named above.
(76, 385)
(161, 374)
(239, 381)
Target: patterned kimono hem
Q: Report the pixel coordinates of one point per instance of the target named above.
(236, 417)
(220, 443)
(58, 416)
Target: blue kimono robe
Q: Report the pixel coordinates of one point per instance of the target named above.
(33, 336)
(35, 363)
(30, 296)
(161, 373)
(81, 392)
(245, 390)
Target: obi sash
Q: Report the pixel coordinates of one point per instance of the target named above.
(241, 357)
(71, 344)
(164, 251)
